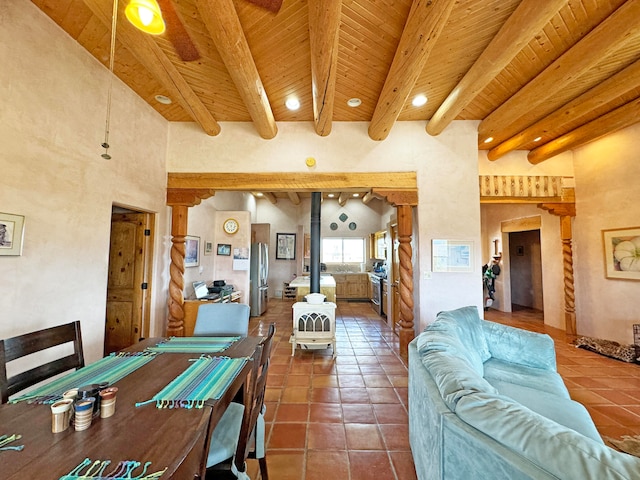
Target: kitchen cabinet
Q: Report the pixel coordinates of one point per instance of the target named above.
(352, 285)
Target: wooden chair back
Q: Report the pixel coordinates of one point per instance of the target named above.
(23, 345)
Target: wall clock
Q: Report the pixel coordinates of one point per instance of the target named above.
(230, 226)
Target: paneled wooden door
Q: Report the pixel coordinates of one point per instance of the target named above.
(127, 313)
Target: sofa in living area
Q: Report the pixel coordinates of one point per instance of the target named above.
(486, 401)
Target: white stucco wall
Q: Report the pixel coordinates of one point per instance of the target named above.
(446, 167)
(607, 187)
(52, 122)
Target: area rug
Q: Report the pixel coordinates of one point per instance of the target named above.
(627, 444)
(626, 353)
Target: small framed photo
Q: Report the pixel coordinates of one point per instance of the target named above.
(451, 256)
(224, 249)
(285, 246)
(192, 251)
(208, 247)
(622, 253)
(11, 234)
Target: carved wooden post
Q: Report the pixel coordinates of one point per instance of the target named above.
(179, 201)
(566, 211)
(407, 331)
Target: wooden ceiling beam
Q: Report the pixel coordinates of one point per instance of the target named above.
(271, 197)
(287, 181)
(324, 27)
(511, 117)
(524, 23)
(617, 119)
(426, 21)
(187, 197)
(222, 22)
(342, 199)
(150, 55)
(367, 197)
(294, 197)
(603, 93)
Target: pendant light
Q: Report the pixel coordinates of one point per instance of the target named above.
(114, 22)
(145, 15)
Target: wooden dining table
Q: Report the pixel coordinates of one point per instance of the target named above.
(171, 438)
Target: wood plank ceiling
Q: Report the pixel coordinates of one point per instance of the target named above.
(539, 76)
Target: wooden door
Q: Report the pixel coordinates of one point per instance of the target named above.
(395, 279)
(126, 295)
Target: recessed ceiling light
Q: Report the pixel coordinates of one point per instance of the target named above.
(537, 139)
(355, 195)
(488, 140)
(419, 100)
(331, 195)
(259, 194)
(162, 99)
(292, 103)
(354, 102)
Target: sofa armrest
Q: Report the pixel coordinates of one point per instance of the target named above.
(520, 346)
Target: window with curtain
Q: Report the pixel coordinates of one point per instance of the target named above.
(343, 250)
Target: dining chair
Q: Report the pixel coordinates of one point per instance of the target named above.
(215, 319)
(22, 345)
(240, 434)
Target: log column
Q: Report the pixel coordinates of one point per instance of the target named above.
(566, 211)
(404, 201)
(179, 201)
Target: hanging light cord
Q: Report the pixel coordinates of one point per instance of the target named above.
(114, 22)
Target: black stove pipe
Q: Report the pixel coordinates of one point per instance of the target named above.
(314, 261)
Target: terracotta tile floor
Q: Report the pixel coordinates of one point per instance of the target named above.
(347, 418)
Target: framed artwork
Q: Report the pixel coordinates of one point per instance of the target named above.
(622, 253)
(192, 251)
(208, 247)
(285, 246)
(11, 234)
(451, 256)
(224, 249)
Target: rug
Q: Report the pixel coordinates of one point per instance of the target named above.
(627, 444)
(608, 348)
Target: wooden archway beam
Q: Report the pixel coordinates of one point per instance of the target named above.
(324, 27)
(426, 20)
(513, 115)
(188, 197)
(151, 56)
(523, 24)
(222, 22)
(395, 197)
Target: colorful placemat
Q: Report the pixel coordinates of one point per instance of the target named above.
(194, 344)
(108, 369)
(5, 440)
(208, 378)
(124, 470)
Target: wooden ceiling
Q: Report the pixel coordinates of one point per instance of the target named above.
(566, 71)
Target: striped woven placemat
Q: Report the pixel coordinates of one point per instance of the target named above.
(194, 344)
(108, 369)
(208, 378)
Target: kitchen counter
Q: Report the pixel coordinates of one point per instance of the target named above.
(303, 287)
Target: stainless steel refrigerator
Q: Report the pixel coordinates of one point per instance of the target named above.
(258, 276)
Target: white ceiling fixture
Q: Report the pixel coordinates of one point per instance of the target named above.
(419, 100)
(292, 103)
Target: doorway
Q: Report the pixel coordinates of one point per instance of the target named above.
(526, 270)
(127, 316)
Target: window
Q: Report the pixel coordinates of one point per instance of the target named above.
(343, 250)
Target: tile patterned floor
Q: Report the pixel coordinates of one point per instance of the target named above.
(347, 418)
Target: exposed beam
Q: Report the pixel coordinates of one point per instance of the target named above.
(271, 197)
(188, 197)
(324, 27)
(342, 199)
(617, 119)
(511, 117)
(523, 24)
(367, 197)
(286, 181)
(221, 19)
(607, 91)
(426, 20)
(398, 196)
(151, 56)
(294, 197)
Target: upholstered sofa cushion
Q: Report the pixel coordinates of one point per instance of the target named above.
(546, 380)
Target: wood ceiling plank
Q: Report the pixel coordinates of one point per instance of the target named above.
(424, 25)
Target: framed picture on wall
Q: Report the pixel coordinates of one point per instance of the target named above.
(622, 253)
(11, 234)
(224, 249)
(285, 246)
(208, 247)
(191, 251)
(451, 256)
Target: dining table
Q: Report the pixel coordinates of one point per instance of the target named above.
(174, 440)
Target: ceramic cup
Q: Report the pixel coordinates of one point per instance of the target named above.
(61, 415)
(84, 413)
(108, 402)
